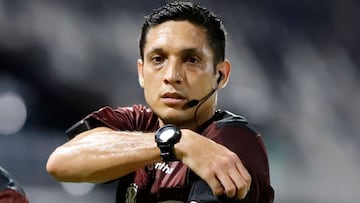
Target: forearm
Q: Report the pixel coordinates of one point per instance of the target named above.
(101, 155)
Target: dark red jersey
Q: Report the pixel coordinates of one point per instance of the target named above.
(10, 190)
(173, 180)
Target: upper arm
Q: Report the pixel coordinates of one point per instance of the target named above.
(249, 147)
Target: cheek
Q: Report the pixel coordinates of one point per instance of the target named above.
(151, 87)
(202, 85)
(149, 95)
(152, 80)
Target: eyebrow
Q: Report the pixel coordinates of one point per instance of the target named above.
(155, 50)
(192, 51)
(186, 51)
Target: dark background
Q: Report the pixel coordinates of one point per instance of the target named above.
(295, 75)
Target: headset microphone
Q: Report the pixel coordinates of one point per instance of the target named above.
(195, 102)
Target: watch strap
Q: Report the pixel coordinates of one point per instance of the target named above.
(167, 153)
(166, 147)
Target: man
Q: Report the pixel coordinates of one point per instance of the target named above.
(194, 156)
(10, 190)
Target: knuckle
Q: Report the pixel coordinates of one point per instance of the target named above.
(230, 191)
(243, 190)
(222, 160)
(227, 161)
(248, 180)
(233, 157)
(230, 160)
(242, 195)
(242, 186)
(218, 190)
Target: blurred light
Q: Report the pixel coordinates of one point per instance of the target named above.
(78, 189)
(12, 113)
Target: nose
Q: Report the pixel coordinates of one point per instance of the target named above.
(173, 72)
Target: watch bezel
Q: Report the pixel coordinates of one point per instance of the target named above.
(173, 139)
(167, 152)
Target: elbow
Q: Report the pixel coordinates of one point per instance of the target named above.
(63, 167)
(56, 167)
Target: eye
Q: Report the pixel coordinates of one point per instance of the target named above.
(192, 59)
(157, 59)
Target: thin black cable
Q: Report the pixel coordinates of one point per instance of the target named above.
(200, 103)
(197, 108)
(206, 98)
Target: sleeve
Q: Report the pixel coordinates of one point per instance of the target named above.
(248, 145)
(135, 118)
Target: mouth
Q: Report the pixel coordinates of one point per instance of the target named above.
(172, 99)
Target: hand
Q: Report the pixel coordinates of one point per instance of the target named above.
(214, 163)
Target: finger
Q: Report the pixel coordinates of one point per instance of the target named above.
(230, 188)
(215, 186)
(243, 184)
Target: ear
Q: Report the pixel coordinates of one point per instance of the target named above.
(140, 65)
(224, 70)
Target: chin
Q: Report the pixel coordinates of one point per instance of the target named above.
(174, 116)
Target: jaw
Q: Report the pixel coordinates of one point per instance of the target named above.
(186, 118)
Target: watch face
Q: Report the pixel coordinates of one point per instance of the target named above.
(166, 134)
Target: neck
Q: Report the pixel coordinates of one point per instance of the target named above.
(192, 118)
(191, 124)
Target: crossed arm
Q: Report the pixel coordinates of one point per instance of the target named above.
(101, 154)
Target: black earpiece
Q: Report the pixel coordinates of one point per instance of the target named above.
(221, 76)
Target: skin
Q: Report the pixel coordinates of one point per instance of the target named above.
(177, 67)
(174, 63)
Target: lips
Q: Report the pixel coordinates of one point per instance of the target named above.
(172, 95)
(172, 99)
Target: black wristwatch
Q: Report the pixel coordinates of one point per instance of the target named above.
(166, 137)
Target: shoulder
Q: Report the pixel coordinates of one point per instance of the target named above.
(231, 130)
(225, 118)
(236, 133)
(239, 135)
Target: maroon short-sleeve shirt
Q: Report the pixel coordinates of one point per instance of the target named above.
(173, 180)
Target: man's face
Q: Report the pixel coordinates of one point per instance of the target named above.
(177, 68)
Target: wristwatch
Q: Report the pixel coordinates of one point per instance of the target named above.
(166, 137)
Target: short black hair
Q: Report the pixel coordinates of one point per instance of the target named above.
(194, 13)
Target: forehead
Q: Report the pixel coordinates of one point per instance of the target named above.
(177, 34)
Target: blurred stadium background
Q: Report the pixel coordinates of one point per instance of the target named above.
(295, 76)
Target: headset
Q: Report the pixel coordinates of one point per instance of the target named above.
(194, 102)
